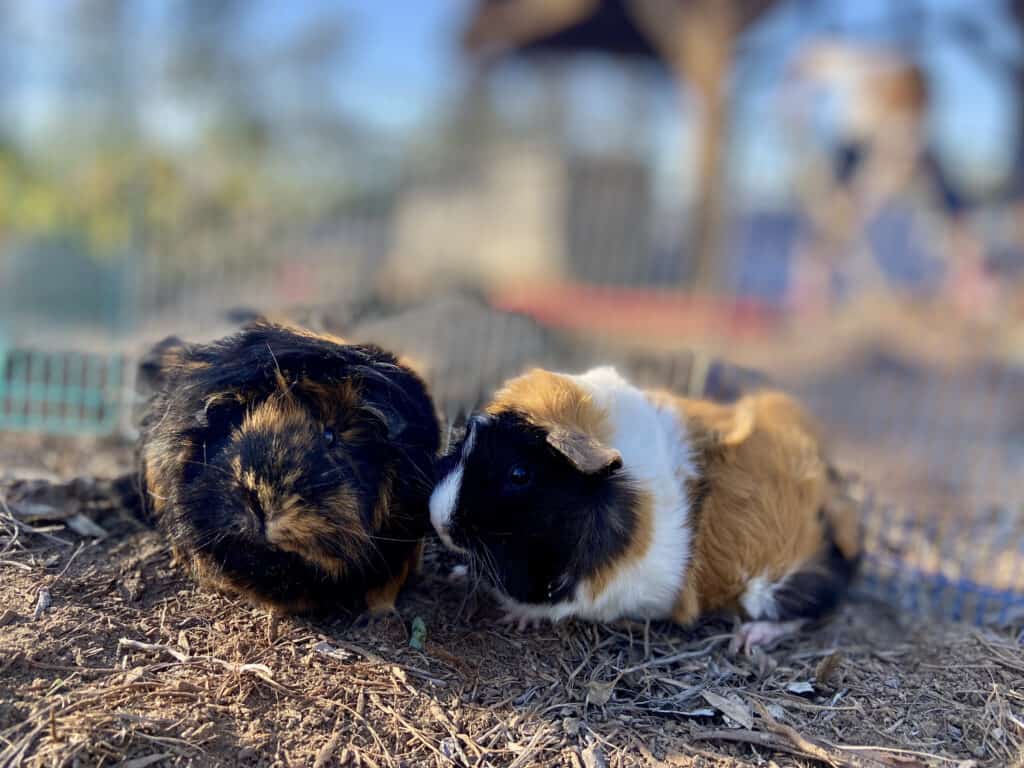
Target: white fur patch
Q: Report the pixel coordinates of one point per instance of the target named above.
(442, 504)
(657, 458)
(446, 494)
(758, 599)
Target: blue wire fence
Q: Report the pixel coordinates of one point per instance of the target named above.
(940, 447)
(66, 393)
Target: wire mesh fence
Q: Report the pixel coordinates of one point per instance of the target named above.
(61, 393)
(524, 254)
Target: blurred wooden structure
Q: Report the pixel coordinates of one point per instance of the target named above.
(693, 40)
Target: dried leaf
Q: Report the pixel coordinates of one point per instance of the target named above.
(450, 748)
(144, 762)
(418, 635)
(43, 603)
(802, 688)
(338, 654)
(84, 526)
(599, 693)
(29, 512)
(323, 757)
(703, 712)
(736, 711)
(593, 757)
(827, 668)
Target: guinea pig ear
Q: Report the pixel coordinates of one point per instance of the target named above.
(389, 417)
(588, 455)
(158, 363)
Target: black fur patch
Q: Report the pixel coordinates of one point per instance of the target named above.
(537, 540)
(815, 591)
(199, 437)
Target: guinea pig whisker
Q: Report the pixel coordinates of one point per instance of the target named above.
(208, 466)
(473, 574)
(325, 484)
(490, 566)
(391, 538)
(484, 574)
(211, 539)
(419, 474)
(277, 366)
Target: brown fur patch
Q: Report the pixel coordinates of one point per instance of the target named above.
(765, 482)
(308, 333)
(159, 465)
(381, 599)
(335, 401)
(554, 402)
(380, 511)
(638, 546)
(293, 527)
(153, 489)
(280, 415)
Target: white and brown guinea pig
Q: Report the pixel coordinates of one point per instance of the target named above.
(290, 467)
(584, 496)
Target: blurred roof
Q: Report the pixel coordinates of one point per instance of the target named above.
(568, 26)
(509, 27)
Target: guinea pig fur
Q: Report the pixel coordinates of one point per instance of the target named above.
(288, 466)
(582, 495)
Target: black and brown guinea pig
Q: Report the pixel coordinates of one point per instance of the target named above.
(584, 496)
(289, 467)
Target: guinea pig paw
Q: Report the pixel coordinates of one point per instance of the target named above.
(761, 634)
(519, 621)
(383, 622)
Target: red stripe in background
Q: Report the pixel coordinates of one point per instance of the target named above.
(650, 312)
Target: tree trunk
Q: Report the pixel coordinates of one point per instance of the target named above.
(708, 239)
(708, 33)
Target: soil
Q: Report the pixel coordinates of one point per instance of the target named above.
(109, 655)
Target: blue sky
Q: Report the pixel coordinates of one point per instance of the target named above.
(401, 67)
(404, 66)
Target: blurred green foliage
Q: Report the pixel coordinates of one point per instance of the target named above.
(101, 175)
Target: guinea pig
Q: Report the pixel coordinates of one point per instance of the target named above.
(584, 496)
(289, 467)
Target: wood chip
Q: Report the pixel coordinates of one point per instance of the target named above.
(801, 688)
(736, 711)
(323, 757)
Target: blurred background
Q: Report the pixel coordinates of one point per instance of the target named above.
(828, 193)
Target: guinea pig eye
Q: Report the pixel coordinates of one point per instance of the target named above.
(519, 476)
(329, 436)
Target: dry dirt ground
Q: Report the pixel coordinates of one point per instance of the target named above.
(108, 655)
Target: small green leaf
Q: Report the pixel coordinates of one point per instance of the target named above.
(418, 636)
